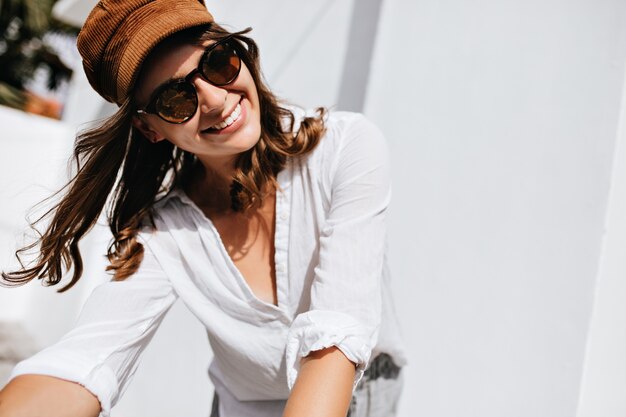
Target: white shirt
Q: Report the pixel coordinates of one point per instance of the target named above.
(332, 284)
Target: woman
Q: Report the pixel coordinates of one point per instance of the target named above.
(268, 223)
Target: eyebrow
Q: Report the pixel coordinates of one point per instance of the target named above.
(182, 77)
(174, 79)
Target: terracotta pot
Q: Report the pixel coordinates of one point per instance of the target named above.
(43, 106)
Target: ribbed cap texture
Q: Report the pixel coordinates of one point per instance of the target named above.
(119, 34)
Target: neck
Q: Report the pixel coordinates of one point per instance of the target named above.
(217, 171)
(210, 186)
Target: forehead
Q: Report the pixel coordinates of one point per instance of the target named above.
(167, 61)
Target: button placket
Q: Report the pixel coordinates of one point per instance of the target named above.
(282, 239)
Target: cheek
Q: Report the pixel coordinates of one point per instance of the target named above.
(247, 82)
(180, 135)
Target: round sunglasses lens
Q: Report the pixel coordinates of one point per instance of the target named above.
(221, 65)
(177, 103)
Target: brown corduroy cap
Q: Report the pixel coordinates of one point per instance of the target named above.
(119, 34)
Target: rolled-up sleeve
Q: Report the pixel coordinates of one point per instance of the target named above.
(346, 295)
(116, 323)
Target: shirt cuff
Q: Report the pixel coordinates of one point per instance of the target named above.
(98, 379)
(318, 329)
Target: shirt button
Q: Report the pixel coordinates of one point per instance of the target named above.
(281, 267)
(284, 215)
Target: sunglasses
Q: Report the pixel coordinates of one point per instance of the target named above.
(176, 101)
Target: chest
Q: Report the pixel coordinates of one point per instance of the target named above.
(249, 240)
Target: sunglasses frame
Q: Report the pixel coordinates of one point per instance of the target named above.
(150, 108)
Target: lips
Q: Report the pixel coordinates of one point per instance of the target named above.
(227, 121)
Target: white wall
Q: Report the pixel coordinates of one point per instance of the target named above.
(302, 44)
(604, 377)
(502, 117)
(33, 164)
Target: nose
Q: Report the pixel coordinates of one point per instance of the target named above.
(210, 98)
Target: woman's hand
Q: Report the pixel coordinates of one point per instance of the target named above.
(39, 395)
(323, 387)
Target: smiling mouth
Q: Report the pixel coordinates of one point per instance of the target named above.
(229, 120)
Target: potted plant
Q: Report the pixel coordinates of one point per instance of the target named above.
(24, 25)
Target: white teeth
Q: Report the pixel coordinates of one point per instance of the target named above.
(229, 120)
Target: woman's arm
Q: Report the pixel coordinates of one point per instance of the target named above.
(39, 395)
(346, 292)
(89, 367)
(323, 387)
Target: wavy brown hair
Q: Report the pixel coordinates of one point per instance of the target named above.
(118, 168)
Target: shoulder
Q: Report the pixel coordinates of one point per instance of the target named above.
(348, 135)
(345, 129)
(346, 121)
(342, 128)
(338, 123)
(172, 210)
(352, 147)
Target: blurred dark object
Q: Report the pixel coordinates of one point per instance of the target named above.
(23, 51)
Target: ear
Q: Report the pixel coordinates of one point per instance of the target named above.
(148, 131)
